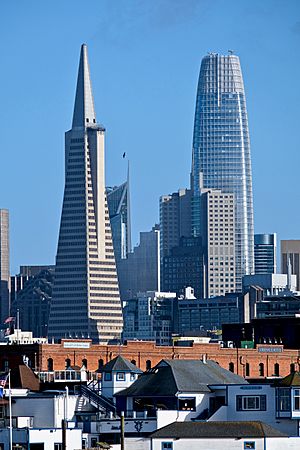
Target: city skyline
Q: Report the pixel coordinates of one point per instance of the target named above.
(145, 83)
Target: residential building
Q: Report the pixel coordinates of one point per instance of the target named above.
(85, 298)
(140, 272)
(221, 151)
(4, 265)
(151, 316)
(290, 255)
(265, 248)
(174, 219)
(118, 199)
(184, 267)
(218, 231)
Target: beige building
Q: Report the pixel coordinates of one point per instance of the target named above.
(218, 223)
(4, 265)
(86, 300)
(290, 251)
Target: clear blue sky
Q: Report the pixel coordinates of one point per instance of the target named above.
(145, 57)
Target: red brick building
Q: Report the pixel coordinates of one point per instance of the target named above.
(263, 361)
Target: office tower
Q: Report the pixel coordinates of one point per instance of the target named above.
(218, 232)
(265, 253)
(140, 272)
(32, 303)
(221, 150)
(118, 199)
(86, 300)
(290, 255)
(4, 265)
(18, 281)
(183, 267)
(175, 219)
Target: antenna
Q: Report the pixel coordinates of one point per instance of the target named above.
(231, 52)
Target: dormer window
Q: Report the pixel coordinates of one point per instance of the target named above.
(120, 376)
(296, 399)
(132, 376)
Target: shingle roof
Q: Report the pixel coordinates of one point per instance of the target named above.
(120, 364)
(200, 430)
(172, 376)
(293, 379)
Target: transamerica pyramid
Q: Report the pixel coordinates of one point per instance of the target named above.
(86, 300)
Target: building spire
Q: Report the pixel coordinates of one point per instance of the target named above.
(84, 111)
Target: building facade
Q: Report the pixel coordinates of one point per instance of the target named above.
(86, 300)
(265, 253)
(221, 150)
(290, 254)
(4, 265)
(140, 272)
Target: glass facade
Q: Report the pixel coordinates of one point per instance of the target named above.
(221, 150)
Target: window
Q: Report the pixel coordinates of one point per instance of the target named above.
(107, 376)
(166, 445)
(297, 399)
(251, 402)
(276, 370)
(84, 363)
(187, 404)
(249, 444)
(261, 369)
(50, 364)
(67, 363)
(292, 368)
(120, 376)
(231, 367)
(100, 363)
(57, 446)
(132, 376)
(284, 399)
(148, 364)
(133, 361)
(247, 370)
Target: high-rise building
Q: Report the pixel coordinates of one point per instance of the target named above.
(4, 265)
(86, 300)
(290, 256)
(140, 272)
(218, 235)
(175, 219)
(118, 199)
(221, 150)
(265, 253)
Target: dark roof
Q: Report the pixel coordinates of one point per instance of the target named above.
(212, 430)
(120, 364)
(24, 377)
(293, 379)
(171, 376)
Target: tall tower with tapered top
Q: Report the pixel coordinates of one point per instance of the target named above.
(86, 300)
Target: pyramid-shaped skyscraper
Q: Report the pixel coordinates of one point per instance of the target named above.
(86, 300)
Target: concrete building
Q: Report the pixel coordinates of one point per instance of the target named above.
(265, 247)
(221, 151)
(150, 317)
(86, 300)
(140, 272)
(174, 219)
(218, 231)
(118, 199)
(271, 283)
(4, 265)
(290, 254)
(184, 267)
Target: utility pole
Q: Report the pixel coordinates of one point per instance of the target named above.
(122, 431)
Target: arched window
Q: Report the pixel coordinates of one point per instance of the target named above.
(261, 369)
(292, 368)
(133, 361)
(247, 370)
(231, 367)
(50, 364)
(68, 363)
(84, 363)
(148, 364)
(276, 370)
(100, 364)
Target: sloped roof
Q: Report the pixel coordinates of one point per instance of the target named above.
(293, 379)
(120, 364)
(192, 430)
(171, 376)
(24, 377)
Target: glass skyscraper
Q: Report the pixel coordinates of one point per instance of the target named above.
(221, 150)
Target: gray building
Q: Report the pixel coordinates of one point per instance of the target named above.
(118, 199)
(4, 265)
(86, 300)
(290, 254)
(221, 150)
(271, 283)
(140, 272)
(265, 253)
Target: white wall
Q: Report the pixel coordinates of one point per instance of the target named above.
(50, 437)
